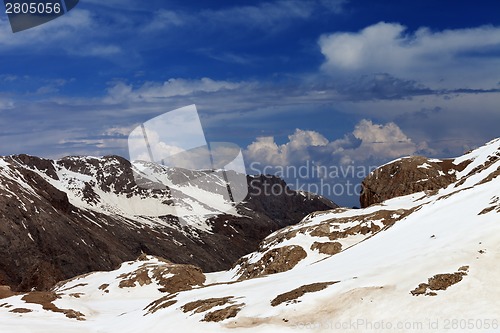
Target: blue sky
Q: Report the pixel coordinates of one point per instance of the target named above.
(335, 82)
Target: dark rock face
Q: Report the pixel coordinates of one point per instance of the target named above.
(44, 238)
(406, 176)
(37, 163)
(271, 194)
(263, 213)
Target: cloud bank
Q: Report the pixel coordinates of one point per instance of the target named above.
(367, 143)
(438, 58)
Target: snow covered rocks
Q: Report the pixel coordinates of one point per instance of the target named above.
(440, 282)
(80, 214)
(406, 176)
(426, 261)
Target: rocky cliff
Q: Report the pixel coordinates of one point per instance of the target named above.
(62, 218)
(406, 176)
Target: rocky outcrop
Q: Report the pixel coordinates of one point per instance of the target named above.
(406, 176)
(45, 237)
(274, 261)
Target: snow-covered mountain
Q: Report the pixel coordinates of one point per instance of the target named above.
(62, 218)
(426, 261)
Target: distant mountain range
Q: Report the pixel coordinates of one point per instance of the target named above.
(59, 219)
(422, 255)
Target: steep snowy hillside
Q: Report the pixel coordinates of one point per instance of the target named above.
(81, 214)
(427, 261)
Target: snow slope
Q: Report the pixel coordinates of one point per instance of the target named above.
(161, 195)
(422, 262)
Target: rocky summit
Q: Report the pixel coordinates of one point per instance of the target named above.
(62, 218)
(422, 255)
(408, 175)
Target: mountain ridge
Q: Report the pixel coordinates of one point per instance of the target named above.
(411, 262)
(106, 218)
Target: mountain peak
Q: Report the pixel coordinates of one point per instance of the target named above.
(82, 213)
(430, 253)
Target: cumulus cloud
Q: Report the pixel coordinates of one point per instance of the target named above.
(309, 161)
(434, 57)
(159, 148)
(368, 142)
(265, 150)
(379, 142)
(299, 146)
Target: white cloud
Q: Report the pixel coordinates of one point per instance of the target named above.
(310, 162)
(63, 29)
(100, 50)
(163, 19)
(463, 120)
(262, 16)
(78, 33)
(367, 142)
(449, 58)
(117, 4)
(51, 86)
(101, 23)
(378, 142)
(140, 146)
(266, 150)
(120, 131)
(336, 6)
(8, 77)
(151, 91)
(268, 16)
(6, 104)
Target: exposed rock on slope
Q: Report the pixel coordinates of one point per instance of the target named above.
(405, 246)
(406, 176)
(59, 219)
(318, 236)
